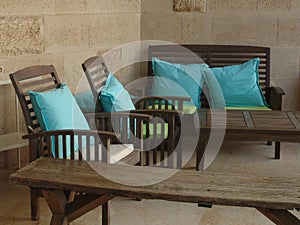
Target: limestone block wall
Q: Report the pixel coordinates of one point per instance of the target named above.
(63, 33)
(273, 23)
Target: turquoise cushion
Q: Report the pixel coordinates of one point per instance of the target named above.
(85, 101)
(240, 84)
(114, 97)
(58, 110)
(173, 79)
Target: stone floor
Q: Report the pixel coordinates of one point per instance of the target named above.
(246, 158)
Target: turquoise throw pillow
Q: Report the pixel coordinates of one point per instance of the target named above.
(58, 110)
(173, 79)
(85, 101)
(240, 84)
(114, 97)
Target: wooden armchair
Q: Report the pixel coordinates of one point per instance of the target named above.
(44, 78)
(168, 108)
(219, 56)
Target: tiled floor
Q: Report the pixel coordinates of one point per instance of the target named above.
(249, 158)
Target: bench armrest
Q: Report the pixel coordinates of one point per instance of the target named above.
(275, 97)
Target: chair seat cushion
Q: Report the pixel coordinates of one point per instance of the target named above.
(158, 132)
(249, 108)
(117, 152)
(187, 109)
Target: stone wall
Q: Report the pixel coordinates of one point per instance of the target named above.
(63, 33)
(273, 23)
(66, 32)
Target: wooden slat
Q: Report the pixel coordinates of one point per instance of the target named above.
(46, 88)
(35, 83)
(84, 204)
(294, 120)
(248, 119)
(186, 186)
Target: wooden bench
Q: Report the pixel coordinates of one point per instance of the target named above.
(272, 196)
(219, 56)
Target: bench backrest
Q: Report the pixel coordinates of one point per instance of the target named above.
(215, 56)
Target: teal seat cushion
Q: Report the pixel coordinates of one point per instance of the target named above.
(58, 110)
(260, 108)
(171, 79)
(240, 84)
(187, 109)
(161, 132)
(114, 97)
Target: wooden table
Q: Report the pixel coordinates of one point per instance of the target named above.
(272, 196)
(277, 126)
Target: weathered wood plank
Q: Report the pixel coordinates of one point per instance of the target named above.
(185, 186)
(248, 119)
(294, 120)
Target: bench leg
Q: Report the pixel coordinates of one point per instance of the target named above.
(277, 150)
(34, 204)
(280, 216)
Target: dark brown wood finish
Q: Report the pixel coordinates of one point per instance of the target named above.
(275, 125)
(272, 196)
(167, 108)
(44, 78)
(35, 78)
(223, 55)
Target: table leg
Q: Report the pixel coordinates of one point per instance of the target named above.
(200, 151)
(277, 150)
(57, 203)
(34, 204)
(280, 216)
(64, 211)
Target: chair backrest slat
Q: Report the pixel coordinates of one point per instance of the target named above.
(96, 73)
(35, 78)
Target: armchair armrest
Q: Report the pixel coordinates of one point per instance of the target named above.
(275, 97)
(40, 142)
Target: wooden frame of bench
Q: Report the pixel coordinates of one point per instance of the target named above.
(219, 56)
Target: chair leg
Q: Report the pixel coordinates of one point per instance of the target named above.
(34, 203)
(277, 150)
